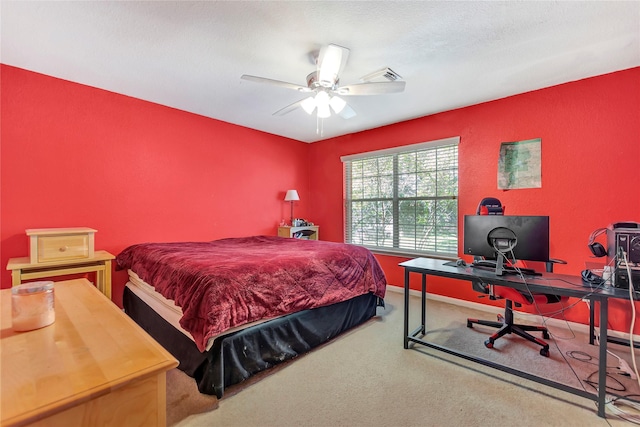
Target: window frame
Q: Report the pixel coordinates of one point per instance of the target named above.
(395, 249)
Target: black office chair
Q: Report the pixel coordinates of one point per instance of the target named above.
(506, 324)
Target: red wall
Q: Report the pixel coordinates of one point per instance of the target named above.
(73, 155)
(590, 157)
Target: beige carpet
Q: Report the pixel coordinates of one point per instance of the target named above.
(366, 378)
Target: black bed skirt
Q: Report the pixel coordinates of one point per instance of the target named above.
(237, 356)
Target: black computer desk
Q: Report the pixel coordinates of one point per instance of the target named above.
(549, 283)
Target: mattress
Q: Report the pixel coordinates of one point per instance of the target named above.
(167, 309)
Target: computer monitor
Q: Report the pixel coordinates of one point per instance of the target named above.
(524, 238)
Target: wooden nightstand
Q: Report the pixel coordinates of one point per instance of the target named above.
(61, 251)
(100, 263)
(92, 366)
(299, 232)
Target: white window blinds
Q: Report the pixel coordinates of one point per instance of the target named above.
(404, 199)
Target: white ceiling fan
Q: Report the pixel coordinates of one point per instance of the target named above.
(324, 88)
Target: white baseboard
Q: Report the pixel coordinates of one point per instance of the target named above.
(549, 321)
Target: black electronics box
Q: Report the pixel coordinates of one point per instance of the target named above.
(623, 241)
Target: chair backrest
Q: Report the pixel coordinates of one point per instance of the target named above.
(490, 206)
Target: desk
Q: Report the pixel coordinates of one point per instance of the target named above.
(23, 269)
(550, 283)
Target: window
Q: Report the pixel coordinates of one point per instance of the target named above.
(405, 199)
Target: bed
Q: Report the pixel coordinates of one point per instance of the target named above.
(228, 309)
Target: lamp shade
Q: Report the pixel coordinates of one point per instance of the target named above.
(291, 196)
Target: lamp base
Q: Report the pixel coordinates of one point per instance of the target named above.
(291, 213)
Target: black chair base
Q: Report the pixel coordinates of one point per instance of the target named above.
(505, 326)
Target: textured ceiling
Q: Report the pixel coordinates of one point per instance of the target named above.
(190, 55)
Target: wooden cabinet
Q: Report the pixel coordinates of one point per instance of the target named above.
(60, 244)
(92, 367)
(309, 232)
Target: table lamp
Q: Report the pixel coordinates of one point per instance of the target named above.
(291, 196)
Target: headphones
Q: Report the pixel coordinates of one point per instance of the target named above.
(596, 248)
(589, 278)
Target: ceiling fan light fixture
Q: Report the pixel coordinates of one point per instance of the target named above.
(324, 111)
(337, 104)
(322, 102)
(308, 105)
(322, 99)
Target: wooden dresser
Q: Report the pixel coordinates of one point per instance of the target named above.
(92, 367)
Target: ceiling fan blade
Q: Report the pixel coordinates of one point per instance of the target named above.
(279, 83)
(289, 108)
(331, 63)
(371, 88)
(347, 112)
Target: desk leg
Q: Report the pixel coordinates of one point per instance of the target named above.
(406, 308)
(602, 366)
(424, 304)
(592, 320)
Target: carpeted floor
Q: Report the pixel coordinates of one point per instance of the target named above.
(366, 377)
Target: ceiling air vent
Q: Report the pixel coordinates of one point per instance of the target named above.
(385, 74)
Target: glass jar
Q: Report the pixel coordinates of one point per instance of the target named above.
(32, 306)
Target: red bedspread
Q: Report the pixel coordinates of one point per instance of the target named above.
(230, 282)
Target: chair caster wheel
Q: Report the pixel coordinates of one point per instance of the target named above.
(488, 343)
(544, 352)
(545, 335)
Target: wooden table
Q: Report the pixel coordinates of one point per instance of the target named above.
(23, 269)
(92, 367)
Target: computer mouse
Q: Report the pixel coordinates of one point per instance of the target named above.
(460, 263)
